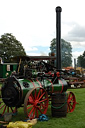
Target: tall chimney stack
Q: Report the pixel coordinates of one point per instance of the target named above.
(58, 37)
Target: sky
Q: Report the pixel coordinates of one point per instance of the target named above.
(33, 23)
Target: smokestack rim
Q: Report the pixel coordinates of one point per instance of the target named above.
(58, 9)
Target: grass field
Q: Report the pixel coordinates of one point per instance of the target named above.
(72, 120)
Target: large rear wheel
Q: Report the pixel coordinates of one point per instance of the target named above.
(36, 103)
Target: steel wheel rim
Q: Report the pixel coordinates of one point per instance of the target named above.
(36, 103)
(71, 101)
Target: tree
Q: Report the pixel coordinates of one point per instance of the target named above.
(66, 52)
(10, 47)
(81, 60)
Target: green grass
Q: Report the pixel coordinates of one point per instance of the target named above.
(75, 119)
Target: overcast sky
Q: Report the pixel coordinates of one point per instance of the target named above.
(33, 23)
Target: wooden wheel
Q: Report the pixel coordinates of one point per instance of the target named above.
(4, 108)
(36, 103)
(71, 101)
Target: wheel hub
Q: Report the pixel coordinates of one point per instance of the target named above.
(36, 102)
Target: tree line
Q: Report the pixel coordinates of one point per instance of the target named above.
(11, 47)
(66, 52)
(81, 60)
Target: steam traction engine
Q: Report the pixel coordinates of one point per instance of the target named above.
(35, 89)
(35, 94)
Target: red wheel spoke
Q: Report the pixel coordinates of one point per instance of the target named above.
(38, 93)
(2, 106)
(34, 113)
(7, 109)
(37, 113)
(71, 101)
(69, 95)
(30, 112)
(69, 107)
(42, 105)
(4, 110)
(43, 100)
(40, 110)
(32, 96)
(71, 98)
(41, 96)
(13, 111)
(30, 107)
(41, 91)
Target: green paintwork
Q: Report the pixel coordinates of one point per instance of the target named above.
(7, 68)
(59, 87)
(23, 86)
(31, 84)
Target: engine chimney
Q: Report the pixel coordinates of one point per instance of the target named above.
(58, 37)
